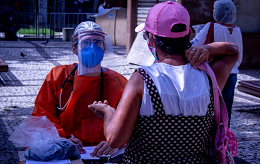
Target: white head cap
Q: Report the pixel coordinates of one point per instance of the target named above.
(88, 27)
(224, 11)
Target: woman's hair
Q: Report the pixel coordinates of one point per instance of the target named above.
(224, 11)
(172, 45)
(99, 3)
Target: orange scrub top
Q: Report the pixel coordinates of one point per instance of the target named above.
(77, 118)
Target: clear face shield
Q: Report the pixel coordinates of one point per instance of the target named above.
(90, 48)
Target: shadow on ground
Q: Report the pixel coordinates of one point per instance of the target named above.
(240, 161)
(8, 152)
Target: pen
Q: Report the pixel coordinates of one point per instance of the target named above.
(78, 145)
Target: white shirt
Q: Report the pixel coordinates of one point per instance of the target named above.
(100, 8)
(183, 90)
(221, 34)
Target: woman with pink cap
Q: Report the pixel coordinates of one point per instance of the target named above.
(165, 112)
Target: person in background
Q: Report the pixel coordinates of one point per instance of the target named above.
(68, 89)
(224, 13)
(17, 7)
(11, 23)
(100, 6)
(87, 6)
(165, 114)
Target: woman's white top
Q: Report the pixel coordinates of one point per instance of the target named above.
(184, 91)
(100, 8)
(221, 34)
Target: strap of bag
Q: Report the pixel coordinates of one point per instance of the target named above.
(220, 111)
(220, 114)
(225, 140)
(210, 35)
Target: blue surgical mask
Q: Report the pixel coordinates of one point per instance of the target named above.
(153, 51)
(91, 55)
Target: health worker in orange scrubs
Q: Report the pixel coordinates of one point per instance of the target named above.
(68, 89)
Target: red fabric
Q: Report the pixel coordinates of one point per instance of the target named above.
(77, 119)
(17, 7)
(210, 35)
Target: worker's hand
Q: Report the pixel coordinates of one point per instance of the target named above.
(103, 148)
(196, 55)
(78, 144)
(100, 108)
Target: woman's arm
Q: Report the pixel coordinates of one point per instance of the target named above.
(225, 56)
(119, 124)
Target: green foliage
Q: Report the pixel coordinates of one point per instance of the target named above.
(31, 30)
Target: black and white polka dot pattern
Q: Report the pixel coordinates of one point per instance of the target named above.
(167, 138)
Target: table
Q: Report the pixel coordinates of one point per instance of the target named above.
(3, 66)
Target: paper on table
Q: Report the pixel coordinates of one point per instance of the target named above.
(87, 155)
(90, 149)
(66, 161)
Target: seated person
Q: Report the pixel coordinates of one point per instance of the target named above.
(68, 89)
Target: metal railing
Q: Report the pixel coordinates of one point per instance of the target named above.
(32, 25)
(37, 25)
(57, 21)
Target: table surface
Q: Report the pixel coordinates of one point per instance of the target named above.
(77, 161)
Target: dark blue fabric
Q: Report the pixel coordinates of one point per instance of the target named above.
(64, 150)
(228, 93)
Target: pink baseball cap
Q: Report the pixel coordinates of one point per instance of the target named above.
(162, 17)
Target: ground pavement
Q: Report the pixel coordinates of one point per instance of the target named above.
(30, 61)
